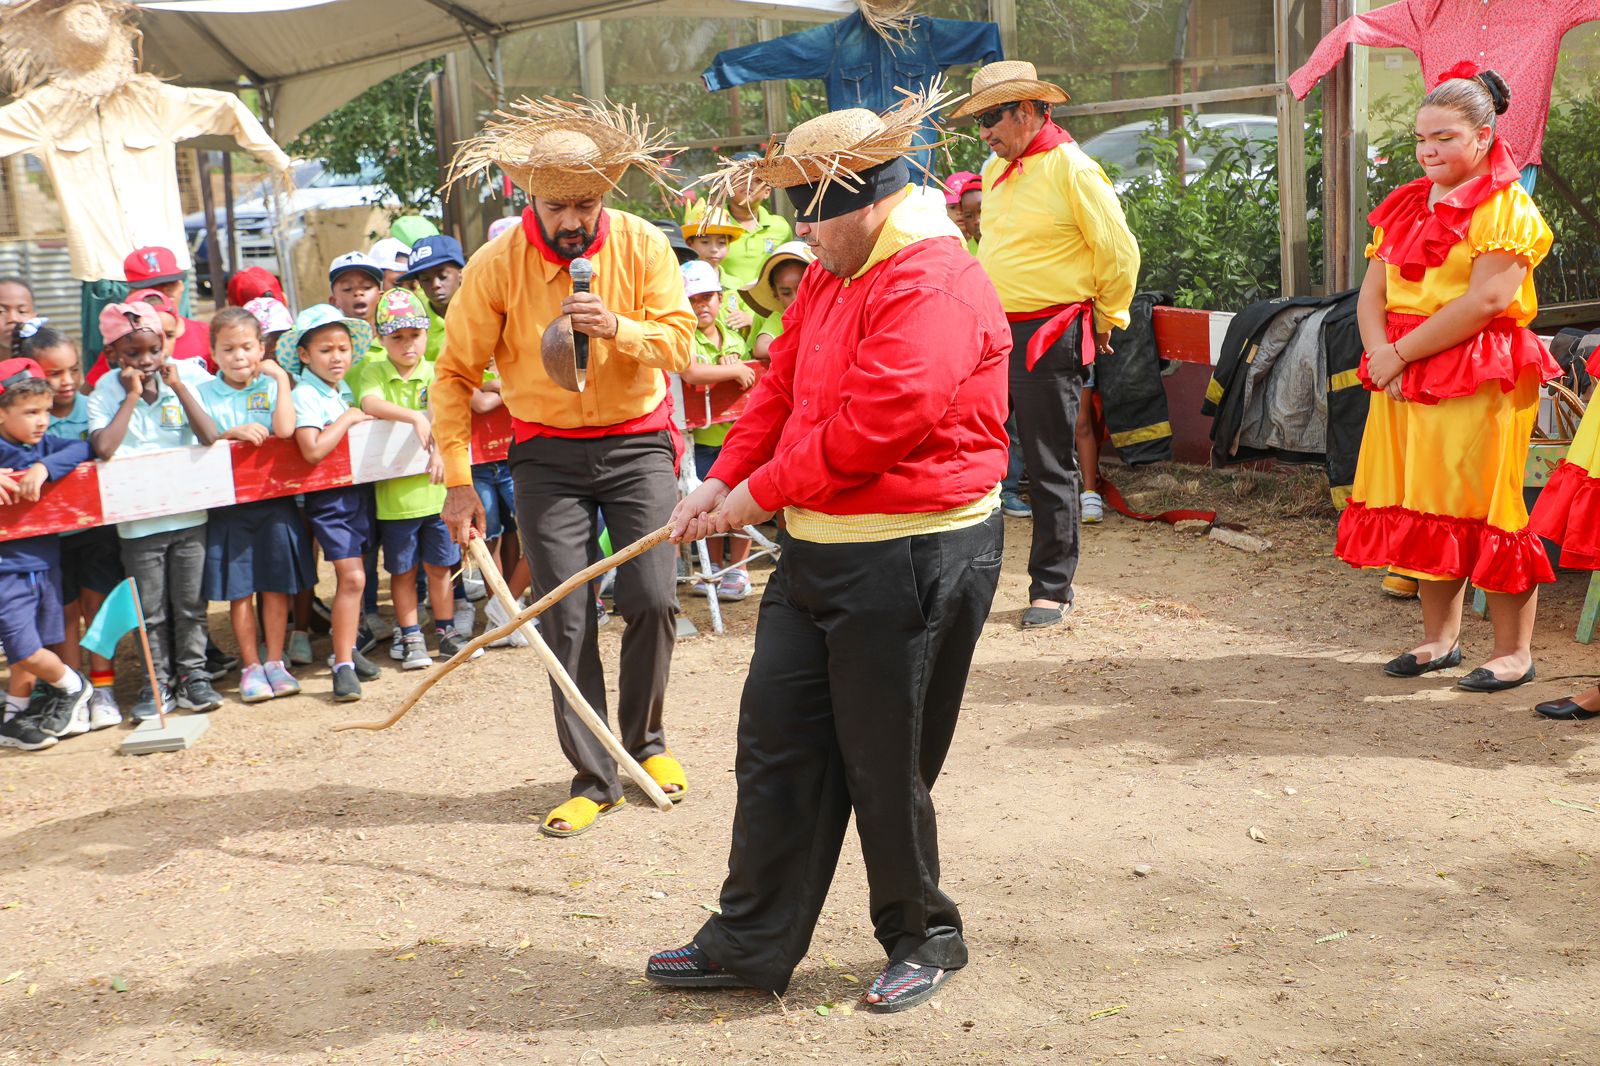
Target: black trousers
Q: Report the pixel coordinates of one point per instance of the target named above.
(561, 485)
(1046, 402)
(861, 660)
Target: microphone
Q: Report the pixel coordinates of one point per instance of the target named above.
(582, 274)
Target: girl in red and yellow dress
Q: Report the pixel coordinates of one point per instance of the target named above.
(1456, 378)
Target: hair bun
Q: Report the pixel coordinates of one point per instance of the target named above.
(1499, 91)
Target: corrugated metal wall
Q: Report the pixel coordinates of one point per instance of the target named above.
(45, 265)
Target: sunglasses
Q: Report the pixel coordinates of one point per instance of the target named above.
(991, 118)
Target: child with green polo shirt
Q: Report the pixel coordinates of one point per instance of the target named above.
(409, 527)
(259, 548)
(149, 405)
(718, 355)
(774, 290)
(711, 233)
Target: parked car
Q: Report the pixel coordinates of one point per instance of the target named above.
(1119, 147)
(316, 188)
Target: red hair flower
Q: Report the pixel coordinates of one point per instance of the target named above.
(1466, 69)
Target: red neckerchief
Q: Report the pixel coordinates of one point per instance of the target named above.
(530, 228)
(1416, 237)
(1049, 136)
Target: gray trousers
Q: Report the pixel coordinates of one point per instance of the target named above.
(563, 488)
(1046, 401)
(168, 568)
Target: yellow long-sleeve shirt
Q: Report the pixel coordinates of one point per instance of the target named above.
(1054, 233)
(510, 292)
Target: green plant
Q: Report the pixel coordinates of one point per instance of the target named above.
(390, 127)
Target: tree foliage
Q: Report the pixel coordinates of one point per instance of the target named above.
(390, 127)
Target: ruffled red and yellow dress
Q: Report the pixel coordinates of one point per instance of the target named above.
(1438, 486)
(1568, 511)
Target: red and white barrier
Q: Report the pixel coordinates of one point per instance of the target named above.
(193, 479)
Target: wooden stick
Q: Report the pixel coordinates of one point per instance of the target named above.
(596, 725)
(149, 661)
(527, 614)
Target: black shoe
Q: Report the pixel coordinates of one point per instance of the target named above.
(346, 686)
(1407, 665)
(196, 694)
(22, 732)
(1041, 617)
(55, 710)
(366, 669)
(689, 967)
(1481, 680)
(1566, 710)
(218, 662)
(366, 639)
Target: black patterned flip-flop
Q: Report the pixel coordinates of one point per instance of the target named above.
(689, 967)
(903, 985)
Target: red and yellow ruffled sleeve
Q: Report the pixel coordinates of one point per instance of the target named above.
(1509, 221)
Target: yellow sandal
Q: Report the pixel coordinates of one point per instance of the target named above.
(665, 770)
(580, 813)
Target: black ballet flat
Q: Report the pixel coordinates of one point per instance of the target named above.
(1566, 710)
(1481, 680)
(1407, 665)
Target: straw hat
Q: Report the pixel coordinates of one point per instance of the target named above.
(835, 147)
(1006, 82)
(701, 221)
(91, 50)
(562, 150)
(759, 293)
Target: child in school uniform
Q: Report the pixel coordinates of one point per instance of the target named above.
(497, 493)
(259, 547)
(91, 562)
(773, 291)
(149, 405)
(710, 234)
(31, 621)
(326, 343)
(718, 355)
(395, 388)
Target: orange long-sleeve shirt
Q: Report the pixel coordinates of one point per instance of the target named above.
(510, 292)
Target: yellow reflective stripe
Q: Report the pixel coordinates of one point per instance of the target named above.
(1343, 380)
(1138, 436)
(1214, 391)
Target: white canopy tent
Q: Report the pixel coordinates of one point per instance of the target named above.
(310, 56)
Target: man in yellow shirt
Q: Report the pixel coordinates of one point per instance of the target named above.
(577, 455)
(1065, 264)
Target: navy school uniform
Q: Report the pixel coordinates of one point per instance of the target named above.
(260, 546)
(30, 569)
(341, 519)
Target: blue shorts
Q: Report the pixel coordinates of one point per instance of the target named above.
(90, 560)
(256, 547)
(409, 541)
(30, 613)
(498, 494)
(341, 521)
(704, 456)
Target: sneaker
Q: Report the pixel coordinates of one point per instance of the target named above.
(366, 669)
(346, 686)
(603, 616)
(218, 662)
(451, 643)
(196, 694)
(58, 710)
(254, 686)
(1094, 508)
(299, 649)
(144, 708)
(79, 724)
(373, 623)
(735, 585)
(321, 617)
(366, 639)
(466, 618)
(22, 731)
(494, 617)
(474, 588)
(703, 588)
(103, 709)
(397, 645)
(1013, 505)
(416, 656)
(281, 680)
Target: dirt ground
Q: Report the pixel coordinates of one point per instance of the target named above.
(1342, 867)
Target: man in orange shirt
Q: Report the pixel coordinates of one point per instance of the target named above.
(608, 449)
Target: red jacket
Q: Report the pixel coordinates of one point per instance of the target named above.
(885, 395)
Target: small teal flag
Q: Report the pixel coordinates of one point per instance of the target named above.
(117, 617)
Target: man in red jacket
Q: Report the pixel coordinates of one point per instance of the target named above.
(879, 430)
